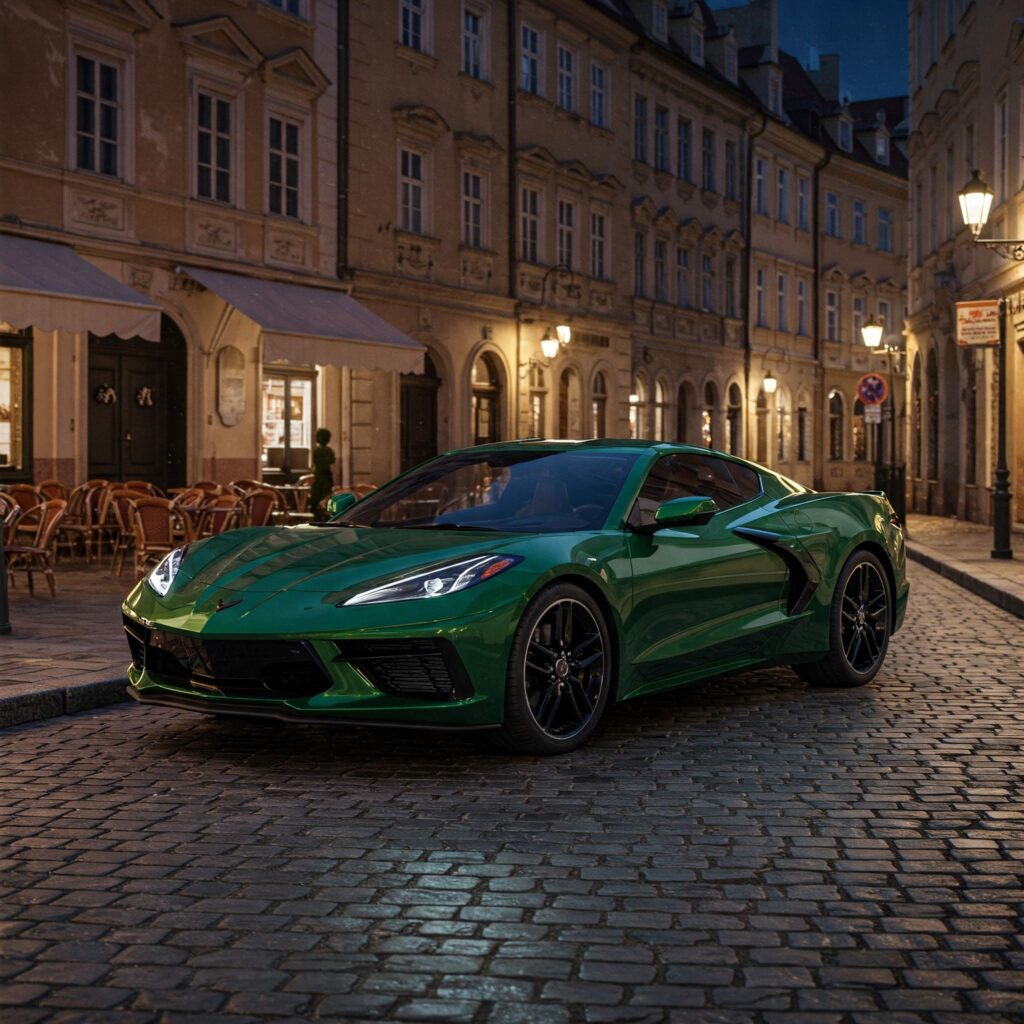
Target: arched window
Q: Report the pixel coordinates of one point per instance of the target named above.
(598, 407)
(638, 408)
(781, 427)
(569, 404)
(932, 405)
(734, 419)
(836, 425)
(487, 390)
(762, 427)
(660, 408)
(538, 400)
(916, 426)
(682, 413)
(707, 415)
(970, 418)
(860, 433)
(802, 433)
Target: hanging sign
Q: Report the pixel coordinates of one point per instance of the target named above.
(977, 323)
(872, 389)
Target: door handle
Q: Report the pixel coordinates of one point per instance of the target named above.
(128, 437)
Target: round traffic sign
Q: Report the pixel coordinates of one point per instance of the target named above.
(873, 389)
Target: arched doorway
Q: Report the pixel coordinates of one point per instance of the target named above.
(734, 420)
(707, 415)
(418, 425)
(487, 393)
(599, 407)
(570, 404)
(137, 404)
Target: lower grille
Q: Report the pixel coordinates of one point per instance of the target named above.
(409, 668)
(235, 668)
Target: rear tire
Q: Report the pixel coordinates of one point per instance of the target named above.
(559, 673)
(860, 621)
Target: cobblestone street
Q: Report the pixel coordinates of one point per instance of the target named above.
(745, 849)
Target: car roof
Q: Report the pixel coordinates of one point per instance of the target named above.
(600, 443)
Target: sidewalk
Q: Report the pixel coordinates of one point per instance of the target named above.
(960, 551)
(67, 653)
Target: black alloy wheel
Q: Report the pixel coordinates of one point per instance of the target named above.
(559, 673)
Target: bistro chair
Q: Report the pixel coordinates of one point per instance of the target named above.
(207, 485)
(35, 557)
(258, 507)
(50, 489)
(104, 525)
(154, 526)
(220, 514)
(11, 514)
(25, 495)
(144, 487)
(75, 527)
(244, 487)
(122, 502)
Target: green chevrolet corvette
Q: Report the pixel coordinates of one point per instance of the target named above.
(521, 588)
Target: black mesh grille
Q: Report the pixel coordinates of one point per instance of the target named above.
(409, 668)
(235, 668)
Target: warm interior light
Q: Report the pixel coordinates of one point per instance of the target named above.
(564, 332)
(975, 202)
(769, 384)
(549, 345)
(872, 333)
(634, 399)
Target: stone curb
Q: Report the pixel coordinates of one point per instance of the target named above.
(967, 577)
(16, 709)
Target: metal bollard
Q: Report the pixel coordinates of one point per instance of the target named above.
(5, 615)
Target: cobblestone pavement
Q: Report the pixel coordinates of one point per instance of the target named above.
(745, 849)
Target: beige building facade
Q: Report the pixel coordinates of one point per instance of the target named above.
(967, 107)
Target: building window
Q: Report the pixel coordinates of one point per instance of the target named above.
(570, 404)
(801, 308)
(684, 169)
(707, 283)
(473, 43)
(487, 400)
(283, 172)
(660, 139)
(970, 378)
(599, 407)
(1000, 129)
(597, 245)
(801, 434)
(782, 428)
(760, 196)
(707, 415)
(885, 231)
(734, 419)
(472, 209)
(682, 276)
(213, 148)
(97, 116)
(730, 170)
(781, 316)
(660, 408)
(845, 136)
(640, 128)
(660, 269)
(883, 315)
(529, 219)
(759, 303)
(858, 318)
(638, 408)
(831, 215)
(707, 162)
(639, 268)
(598, 96)
(566, 78)
(774, 96)
(529, 60)
(566, 232)
(697, 47)
(881, 148)
(15, 385)
(538, 401)
(762, 427)
(730, 286)
(782, 198)
(860, 433)
(832, 316)
(660, 21)
(288, 6)
(858, 222)
(288, 418)
(411, 216)
(802, 191)
(836, 416)
(413, 24)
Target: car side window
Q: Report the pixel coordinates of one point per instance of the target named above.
(686, 475)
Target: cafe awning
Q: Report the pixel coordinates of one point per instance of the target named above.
(49, 286)
(302, 324)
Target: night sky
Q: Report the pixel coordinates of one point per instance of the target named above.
(869, 35)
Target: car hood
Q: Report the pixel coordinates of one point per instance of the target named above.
(327, 559)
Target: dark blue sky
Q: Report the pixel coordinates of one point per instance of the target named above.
(869, 35)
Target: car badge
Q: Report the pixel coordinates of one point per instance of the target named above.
(222, 604)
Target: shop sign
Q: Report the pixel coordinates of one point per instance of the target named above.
(872, 389)
(872, 414)
(977, 323)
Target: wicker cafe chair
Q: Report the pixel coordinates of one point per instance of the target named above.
(259, 506)
(220, 514)
(27, 497)
(75, 527)
(144, 487)
(244, 487)
(49, 489)
(35, 557)
(157, 528)
(122, 501)
(104, 524)
(11, 512)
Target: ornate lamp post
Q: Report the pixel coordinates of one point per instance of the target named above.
(894, 485)
(975, 203)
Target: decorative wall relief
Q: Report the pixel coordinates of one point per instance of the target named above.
(105, 394)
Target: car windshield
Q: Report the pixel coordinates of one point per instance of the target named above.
(512, 491)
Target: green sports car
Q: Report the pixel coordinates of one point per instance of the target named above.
(521, 588)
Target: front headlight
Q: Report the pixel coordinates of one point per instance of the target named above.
(438, 582)
(161, 578)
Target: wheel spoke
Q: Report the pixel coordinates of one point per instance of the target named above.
(545, 722)
(542, 669)
(545, 652)
(863, 583)
(589, 660)
(571, 694)
(577, 684)
(581, 647)
(545, 701)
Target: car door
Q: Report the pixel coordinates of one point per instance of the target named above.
(704, 598)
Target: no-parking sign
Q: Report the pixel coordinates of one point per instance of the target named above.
(873, 389)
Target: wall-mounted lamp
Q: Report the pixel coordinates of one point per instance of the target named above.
(770, 384)
(634, 399)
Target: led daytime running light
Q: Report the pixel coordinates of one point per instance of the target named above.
(439, 582)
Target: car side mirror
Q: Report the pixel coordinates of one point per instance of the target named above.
(338, 503)
(689, 511)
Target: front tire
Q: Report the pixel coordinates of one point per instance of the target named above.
(860, 621)
(559, 673)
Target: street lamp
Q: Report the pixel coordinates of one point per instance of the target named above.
(894, 485)
(770, 384)
(550, 345)
(975, 203)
